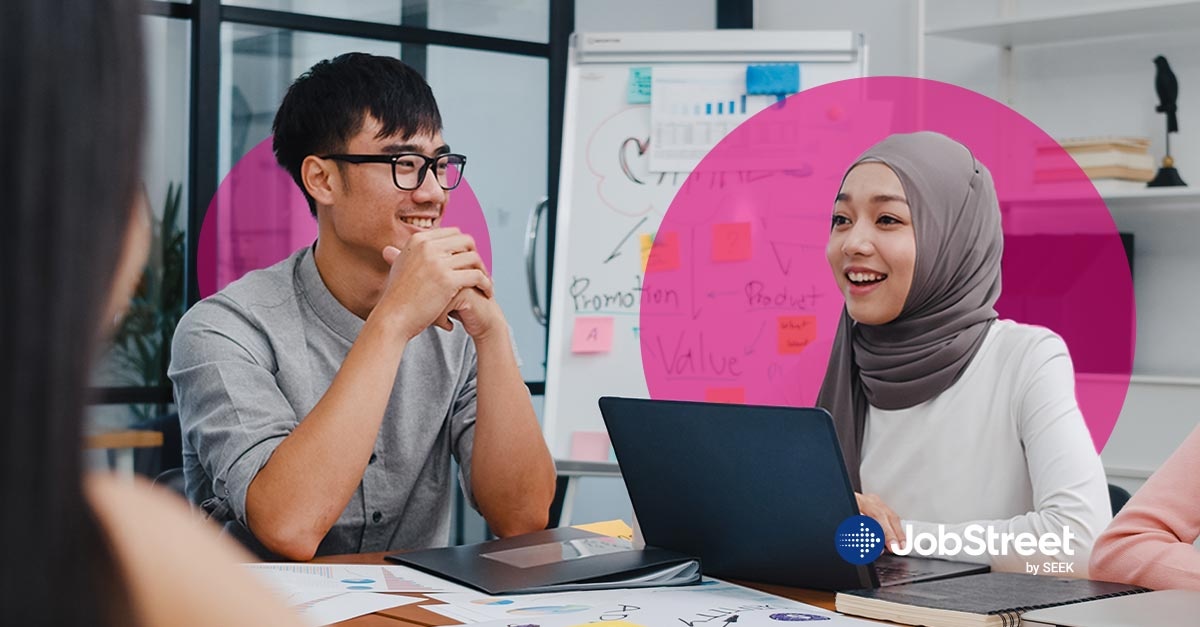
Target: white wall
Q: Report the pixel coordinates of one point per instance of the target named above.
(889, 26)
(527, 20)
(641, 15)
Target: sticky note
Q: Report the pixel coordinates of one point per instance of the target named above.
(591, 446)
(611, 528)
(731, 242)
(593, 334)
(665, 253)
(639, 86)
(646, 240)
(725, 395)
(773, 79)
(796, 333)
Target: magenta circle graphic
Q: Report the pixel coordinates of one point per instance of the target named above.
(259, 217)
(739, 304)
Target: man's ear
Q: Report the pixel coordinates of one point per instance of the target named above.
(321, 178)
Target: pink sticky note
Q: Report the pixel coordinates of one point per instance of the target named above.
(796, 333)
(589, 446)
(664, 254)
(731, 241)
(593, 334)
(725, 395)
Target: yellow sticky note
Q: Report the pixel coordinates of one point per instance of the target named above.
(611, 528)
(647, 242)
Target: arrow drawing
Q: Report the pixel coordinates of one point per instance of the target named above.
(692, 264)
(785, 259)
(751, 346)
(785, 267)
(617, 251)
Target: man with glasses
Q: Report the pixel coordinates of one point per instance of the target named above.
(320, 406)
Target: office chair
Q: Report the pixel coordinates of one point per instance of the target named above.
(172, 479)
(150, 462)
(1118, 496)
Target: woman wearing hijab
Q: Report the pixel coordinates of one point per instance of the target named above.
(947, 415)
(84, 549)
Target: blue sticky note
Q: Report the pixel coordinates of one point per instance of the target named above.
(773, 79)
(639, 85)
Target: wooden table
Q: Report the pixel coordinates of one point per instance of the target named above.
(415, 615)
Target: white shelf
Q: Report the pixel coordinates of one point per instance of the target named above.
(1148, 379)
(1142, 379)
(1064, 28)
(1168, 199)
(1150, 197)
(1154, 194)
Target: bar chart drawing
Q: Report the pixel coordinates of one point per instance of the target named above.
(692, 109)
(723, 107)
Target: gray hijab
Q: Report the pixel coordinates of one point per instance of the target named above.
(949, 308)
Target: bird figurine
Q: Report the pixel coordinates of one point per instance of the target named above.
(1167, 87)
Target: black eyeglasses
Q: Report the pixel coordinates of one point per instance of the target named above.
(409, 168)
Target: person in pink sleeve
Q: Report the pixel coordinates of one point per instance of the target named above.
(1149, 543)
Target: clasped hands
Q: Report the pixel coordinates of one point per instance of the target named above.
(439, 275)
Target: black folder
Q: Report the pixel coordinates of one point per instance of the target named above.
(555, 560)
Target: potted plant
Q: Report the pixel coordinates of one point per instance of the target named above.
(141, 348)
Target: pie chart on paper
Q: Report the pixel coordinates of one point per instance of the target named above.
(545, 610)
(492, 601)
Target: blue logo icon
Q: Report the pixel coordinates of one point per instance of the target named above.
(859, 540)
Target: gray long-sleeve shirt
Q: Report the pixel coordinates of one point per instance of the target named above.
(250, 362)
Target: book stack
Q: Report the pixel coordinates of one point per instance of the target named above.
(1101, 159)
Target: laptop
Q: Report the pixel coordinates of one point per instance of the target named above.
(757, 493)
(1162, 608)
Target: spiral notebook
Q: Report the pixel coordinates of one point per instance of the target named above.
(1161, 608)
(987, 600)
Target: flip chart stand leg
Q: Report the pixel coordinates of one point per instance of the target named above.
(564, 519)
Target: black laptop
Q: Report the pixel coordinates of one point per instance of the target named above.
(756, 492)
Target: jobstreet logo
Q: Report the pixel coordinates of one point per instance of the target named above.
(976, 540)
(859, 540)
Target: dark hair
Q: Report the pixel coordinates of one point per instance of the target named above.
(71, 111)
(325, 107)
